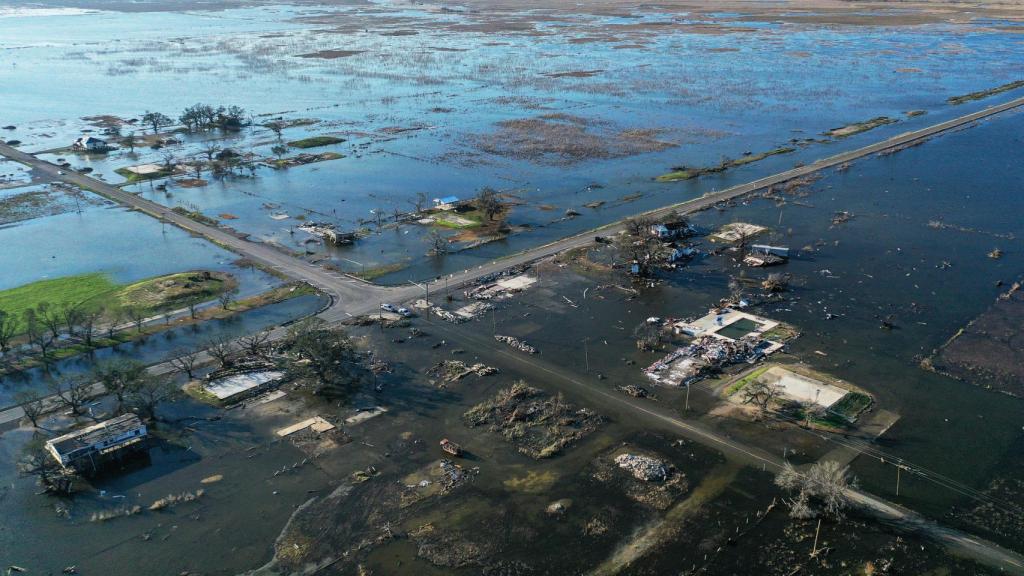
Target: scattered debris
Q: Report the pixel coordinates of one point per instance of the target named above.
(643, 467)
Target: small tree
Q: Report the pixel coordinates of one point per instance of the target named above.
(211, 149)
(8, 328)
(185, 362)
(156, 120)
(31, 404)
(137, 315)
(37, 461)
(227, 298)
(420, 202)
(51, 318)
(72, 316)
(129, 141)
(36, 333)
(276, 128)
(87, 326)
(279, 150)
(170, 161)
(438, 243)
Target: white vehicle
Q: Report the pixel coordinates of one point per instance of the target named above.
(388, 307)
(405, 312)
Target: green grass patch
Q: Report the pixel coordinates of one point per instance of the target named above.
(370, 274)
(132, 177)
(316, 141)
(955, 100)
(742, 382)
(459, 221)
(194, 215)
(56, 292)
(849, 407)
(684, 173)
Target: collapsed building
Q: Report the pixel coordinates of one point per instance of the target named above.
(89, 449)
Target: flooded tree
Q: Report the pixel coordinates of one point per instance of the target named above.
(438, 243)
(279, 150)
(487, 201)
(185, 361)
(156, 120)
(822, 489)
(149, 392)
(73, 392)
(227, 298)
(328, 358)
(222, 350)
(256, 345)
(31, 404)
(120, 378)
(419, 202)
(37, 461)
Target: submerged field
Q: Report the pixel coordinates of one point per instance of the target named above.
(358, 114)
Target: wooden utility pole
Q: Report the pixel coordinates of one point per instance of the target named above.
(687, 396)
(814, 550)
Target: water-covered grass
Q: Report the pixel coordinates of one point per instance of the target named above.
(315, 142)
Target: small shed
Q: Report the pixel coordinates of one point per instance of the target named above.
(446, 203)
(89, 448)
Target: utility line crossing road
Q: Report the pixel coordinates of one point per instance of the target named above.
(351, 297)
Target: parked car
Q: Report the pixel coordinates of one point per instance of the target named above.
(388, 307)
(405, 312)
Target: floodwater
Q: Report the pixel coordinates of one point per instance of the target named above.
(414, 103)
(417, 92)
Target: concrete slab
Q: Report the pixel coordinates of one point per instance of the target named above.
(802, 388)
(316, 423)
(239, 383)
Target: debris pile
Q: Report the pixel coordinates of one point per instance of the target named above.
(538, 424)
(516, 343)
(634, 391)
(453, 370)
(643, 467)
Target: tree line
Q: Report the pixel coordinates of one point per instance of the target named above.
(199, 117)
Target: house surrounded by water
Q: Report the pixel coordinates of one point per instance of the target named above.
(90, 144)
(87, 449)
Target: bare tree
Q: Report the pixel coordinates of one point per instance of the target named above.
(192, 308)
(222, 350)
(276, 128)
(31, 404)
(211, 149)
(170, 161)
(420, 201)
(279, 150)
(826, 483)
(185, 362)
(227, 298)
(760, 394)
(257, 345)
(73, 392)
